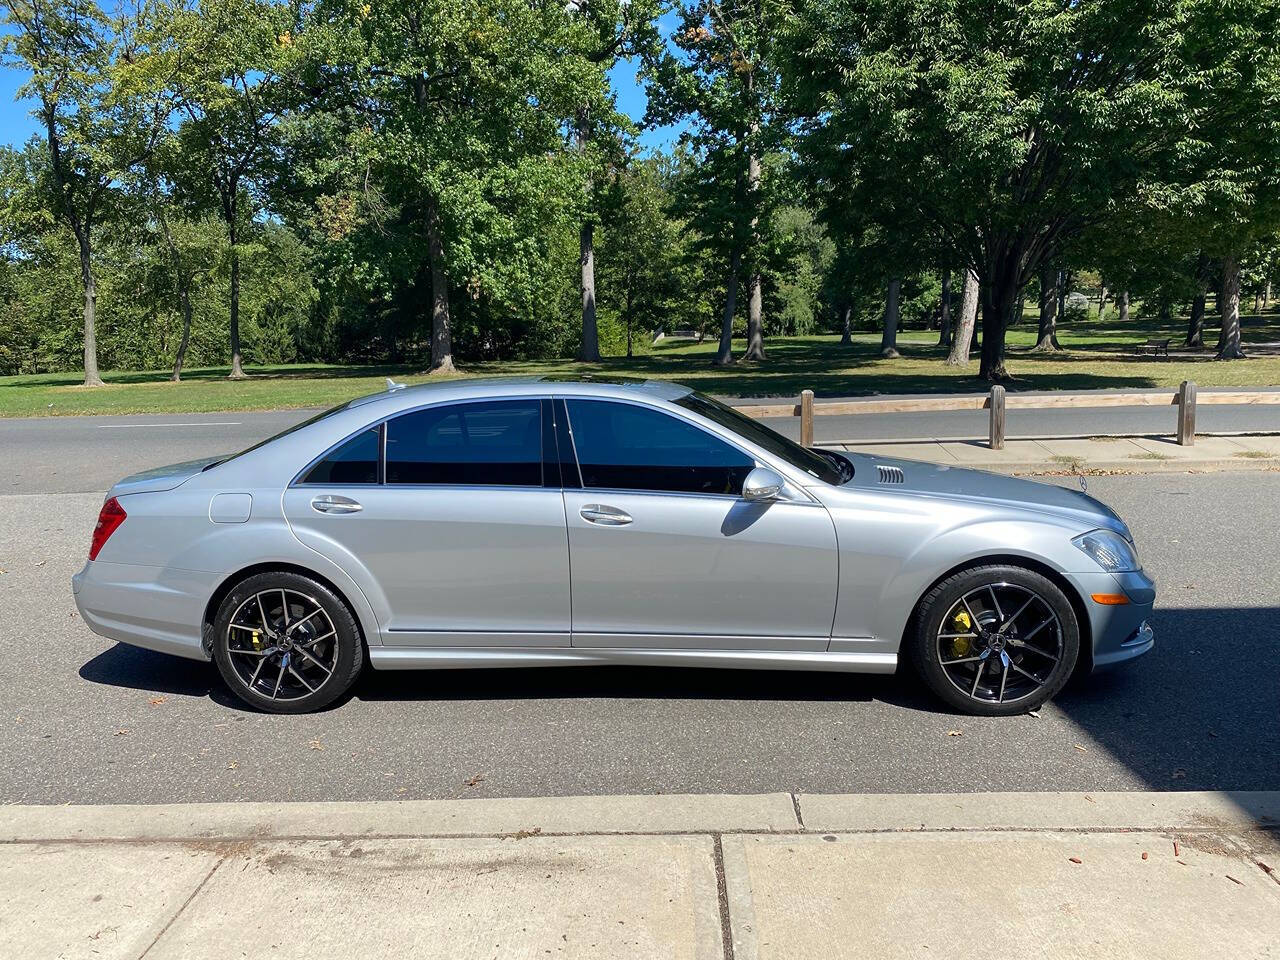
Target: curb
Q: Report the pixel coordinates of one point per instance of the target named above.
(1206, 811)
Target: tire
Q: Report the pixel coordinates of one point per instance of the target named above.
(298, 668)
(999, 669)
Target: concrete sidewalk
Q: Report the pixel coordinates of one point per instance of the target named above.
(1173, 875)
(1096, 454)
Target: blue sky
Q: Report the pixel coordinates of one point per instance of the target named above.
(17, 125)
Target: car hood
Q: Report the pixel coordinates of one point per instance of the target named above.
(162, 478)
(954, 483)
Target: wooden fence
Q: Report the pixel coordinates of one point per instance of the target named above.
(998, 402)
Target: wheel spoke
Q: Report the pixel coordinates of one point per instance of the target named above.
(257, 670)
(284, 662)
(952, 663)
(1026, 673)
(1021, 610)
(973, 619)
(301, 679)
(314, 640)
(1004, 675)
(262, 612)
(247, 653)
(1036, 650)
(992, 590)
(977, 677)
(308, 655)
(297, 623)
(284, 609)
(957, 636)
(1040, 627)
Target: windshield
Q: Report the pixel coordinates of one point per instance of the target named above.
(283, 433)
(825, 465)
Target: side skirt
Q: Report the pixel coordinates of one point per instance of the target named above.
(442, 658)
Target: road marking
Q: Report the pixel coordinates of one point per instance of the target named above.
(128, 426)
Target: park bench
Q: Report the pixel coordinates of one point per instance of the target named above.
(1156, 348)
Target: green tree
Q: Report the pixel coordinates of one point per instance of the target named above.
(1010, 125)
(96, 129)
(720, 77)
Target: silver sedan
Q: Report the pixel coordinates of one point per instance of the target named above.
(525, 522)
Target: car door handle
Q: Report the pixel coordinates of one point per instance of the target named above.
(335, 504)
(604, 515)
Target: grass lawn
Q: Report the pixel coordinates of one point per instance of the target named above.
(1098, 356)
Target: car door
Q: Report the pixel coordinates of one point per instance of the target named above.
(664, 552)
(459, 534)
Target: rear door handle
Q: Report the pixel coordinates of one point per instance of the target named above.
(604, 515)
(330, 503)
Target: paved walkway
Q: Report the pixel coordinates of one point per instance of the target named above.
(1174, 875)
(1099, 454)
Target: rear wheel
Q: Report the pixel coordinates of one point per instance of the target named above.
(996, 640)
(285, 643)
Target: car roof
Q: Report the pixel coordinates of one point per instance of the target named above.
(562, 384)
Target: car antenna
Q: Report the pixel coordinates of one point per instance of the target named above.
(393, 386)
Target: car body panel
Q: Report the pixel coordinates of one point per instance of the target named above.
(826, 578)
(701, 571)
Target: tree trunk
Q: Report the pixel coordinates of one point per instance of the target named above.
(1195, 325)
(1047, 335)
(182, 281)
(441, 334)
(590, 333)
(944, 312)
(1229, 342)
(1000, 298)
(1102, 298)
(889, 338)
(755, 301)
(959, 355)
(1064, 279)
(237, 371)
(724, 355)
(90, 285)
(846, 324)
(1122, 304)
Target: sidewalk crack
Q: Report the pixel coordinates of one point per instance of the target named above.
(795, 802)
(185, 903)
(722, 892)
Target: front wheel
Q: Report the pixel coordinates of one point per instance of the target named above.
(995, 640)
(285, 643)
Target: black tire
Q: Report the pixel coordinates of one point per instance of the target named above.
(309, 651)
(1050, 660)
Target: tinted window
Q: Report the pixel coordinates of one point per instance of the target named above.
(623, 446)
(496, 442)
(356, 461)
(826, 468)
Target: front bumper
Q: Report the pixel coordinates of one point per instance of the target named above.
(1120, 632)
(153, 607)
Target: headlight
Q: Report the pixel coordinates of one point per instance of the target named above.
(1109, 550)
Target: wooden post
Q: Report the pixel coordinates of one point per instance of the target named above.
(1187, 413)
(806, 418)
(997, 417)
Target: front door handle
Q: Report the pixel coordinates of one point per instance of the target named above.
(604, 515)
(329, 503)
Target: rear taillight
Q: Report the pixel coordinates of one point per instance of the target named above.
(109, 518)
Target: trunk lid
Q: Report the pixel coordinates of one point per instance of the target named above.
(161, 478)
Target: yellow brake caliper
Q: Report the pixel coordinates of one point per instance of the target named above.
(961, 623)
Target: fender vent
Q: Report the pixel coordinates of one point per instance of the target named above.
(889, 474)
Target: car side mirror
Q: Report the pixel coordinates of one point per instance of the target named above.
(762, 484)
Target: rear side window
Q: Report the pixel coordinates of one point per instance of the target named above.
(626, 447)
(496, 442)
(356, 461)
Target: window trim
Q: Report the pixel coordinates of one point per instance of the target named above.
(381, 425)
(648, 491)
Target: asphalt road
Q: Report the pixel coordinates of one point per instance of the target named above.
(88, 454)
(86, 720)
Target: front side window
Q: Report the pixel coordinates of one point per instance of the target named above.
(494, 443)
(355, 462)
(622, 446)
